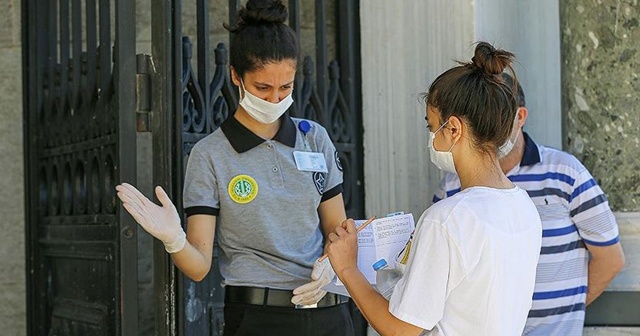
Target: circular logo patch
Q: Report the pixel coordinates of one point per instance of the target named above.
(243, 189)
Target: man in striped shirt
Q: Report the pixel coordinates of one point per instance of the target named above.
(580, 252)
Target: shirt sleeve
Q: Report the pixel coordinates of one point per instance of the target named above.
(333, 179)
(590, 212)
(200, 193)
(420, 295)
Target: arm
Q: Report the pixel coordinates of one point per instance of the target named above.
(193, 253)
(599, 230)
(194, 260)
(343, 251)
(331, 214)
(604, 265)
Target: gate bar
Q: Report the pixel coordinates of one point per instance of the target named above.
(124, 82)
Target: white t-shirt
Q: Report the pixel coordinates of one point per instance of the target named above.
(472, 264)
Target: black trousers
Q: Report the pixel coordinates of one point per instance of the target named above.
(255, 320)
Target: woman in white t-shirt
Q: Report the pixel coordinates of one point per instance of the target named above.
(470, 266)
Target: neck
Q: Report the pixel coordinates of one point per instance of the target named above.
(484, 174)
(481, 170)
(265, 131)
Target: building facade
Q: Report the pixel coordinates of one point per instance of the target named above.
(578, 62)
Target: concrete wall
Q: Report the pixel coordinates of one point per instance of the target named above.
(12, 261)
(399, 61)
(611, 331)
(405, 45)
(530, 29)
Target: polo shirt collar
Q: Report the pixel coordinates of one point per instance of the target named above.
(242, 139)
(531, 154)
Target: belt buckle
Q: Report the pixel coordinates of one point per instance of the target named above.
(299, 306)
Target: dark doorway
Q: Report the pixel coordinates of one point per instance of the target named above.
(79, 92)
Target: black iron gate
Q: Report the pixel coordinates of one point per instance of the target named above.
(193, 94)
(79, 103)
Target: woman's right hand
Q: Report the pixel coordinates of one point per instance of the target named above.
(343, 247)
(161, 222)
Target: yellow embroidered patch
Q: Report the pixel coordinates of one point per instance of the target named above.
(243, 189)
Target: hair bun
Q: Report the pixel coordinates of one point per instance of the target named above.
(258, 12)
(491, 60)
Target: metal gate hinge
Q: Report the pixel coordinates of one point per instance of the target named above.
(145, 69)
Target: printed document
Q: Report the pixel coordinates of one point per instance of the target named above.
(384, 238)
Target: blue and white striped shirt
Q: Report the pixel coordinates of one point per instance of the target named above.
(574, 212)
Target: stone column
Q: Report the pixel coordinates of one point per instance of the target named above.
(601, 110)
(12, 248)
(600, 84)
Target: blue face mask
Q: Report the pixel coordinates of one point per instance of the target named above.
(442, 160)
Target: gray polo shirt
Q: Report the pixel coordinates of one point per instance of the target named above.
(268, 227)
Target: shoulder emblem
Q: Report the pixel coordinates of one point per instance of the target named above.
(318, 179)
(337, 157)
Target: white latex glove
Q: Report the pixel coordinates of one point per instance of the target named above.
(312, 292)
(161, 222)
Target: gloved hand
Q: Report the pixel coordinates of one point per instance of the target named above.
(312, 292)
(161, 222)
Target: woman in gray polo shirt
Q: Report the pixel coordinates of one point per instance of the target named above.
(269, 185)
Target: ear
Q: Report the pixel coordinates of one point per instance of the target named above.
(522, 113)
(455, 125)
(235, 78)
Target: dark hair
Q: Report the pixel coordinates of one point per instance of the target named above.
(476, 92)
(515, 86)
(261, 37)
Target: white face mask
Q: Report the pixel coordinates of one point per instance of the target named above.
(262, 110)
(507, 147)
(442, 160)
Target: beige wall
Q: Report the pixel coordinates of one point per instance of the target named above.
(12, 261)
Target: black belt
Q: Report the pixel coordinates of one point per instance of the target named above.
(274, 297)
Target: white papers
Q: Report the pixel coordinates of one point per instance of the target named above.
(384, 238)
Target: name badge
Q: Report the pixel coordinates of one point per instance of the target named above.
(310, 161)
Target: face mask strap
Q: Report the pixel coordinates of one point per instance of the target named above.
(244, 89)
(438, 130)
(450, 148)
(441, 126)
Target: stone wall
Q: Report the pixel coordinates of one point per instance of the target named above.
(12, 263)
(601, 109)
(600, 84)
